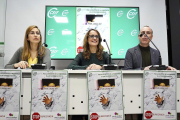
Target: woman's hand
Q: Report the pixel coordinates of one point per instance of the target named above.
(21, 64)
(94, 67)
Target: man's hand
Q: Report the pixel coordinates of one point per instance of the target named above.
(147, 68)
(104, 100)
(170, 68)
(1, 100)
(158, 99)
(47, 100)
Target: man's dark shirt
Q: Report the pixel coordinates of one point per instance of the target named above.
(146, 56)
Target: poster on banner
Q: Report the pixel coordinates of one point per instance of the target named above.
(10, 83)
(160, 95)
(49, 95)
(92, 18)
(105, 95)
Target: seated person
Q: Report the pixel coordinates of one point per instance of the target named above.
(27, 55)
(143, 56)
(93, 56)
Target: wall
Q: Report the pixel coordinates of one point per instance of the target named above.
(22, 13)
(2, 31)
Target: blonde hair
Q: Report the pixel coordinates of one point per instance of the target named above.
(26, 48)
(86, 49)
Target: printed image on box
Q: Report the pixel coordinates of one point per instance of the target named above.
(159, 83)
(6, 83)
(105, 91)
(49, 84)
(103, 84)
(159, 91)
(92, 18)
(49, 91)
(9, 92)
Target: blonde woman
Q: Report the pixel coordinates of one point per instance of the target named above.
(27, 55)
(92, 56)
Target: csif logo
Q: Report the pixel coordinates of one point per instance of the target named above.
(120, 32)
(58, 114)
(50, 31)
(134, 32)
(120, 52)
(131, 13)
(53, 50)
(65, 12)
(52, 12)
(64, 51)
(119, 14)
(10, 114)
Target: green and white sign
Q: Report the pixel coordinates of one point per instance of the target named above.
(66, 27)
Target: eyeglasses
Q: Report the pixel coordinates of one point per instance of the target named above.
(92, 36)
(146, 32)
(33, 33)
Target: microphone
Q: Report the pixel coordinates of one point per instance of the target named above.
(109, 66)
(40, 53)
(160, 59)
(109, 51)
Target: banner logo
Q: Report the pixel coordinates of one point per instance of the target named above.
(131, 13)
(119, 14)
(121, 51)
(120, 32)
(79, 9)
(65, 12)
(51, 31)
(134, 32)
(53, 50)
(52, 12)
(64, 51)
(58, 114)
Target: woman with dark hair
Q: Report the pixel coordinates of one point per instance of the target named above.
(93, 56)
(27, 55)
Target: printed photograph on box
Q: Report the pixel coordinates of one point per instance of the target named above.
(160, 95)
(105, 95)
(10, 84)
(49, 95)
